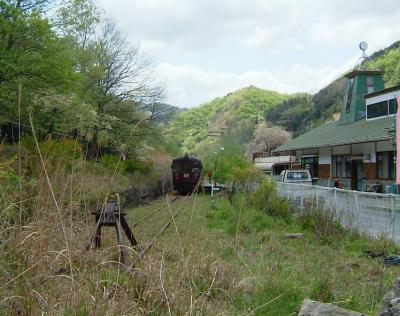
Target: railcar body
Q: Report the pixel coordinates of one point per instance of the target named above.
(186, 173)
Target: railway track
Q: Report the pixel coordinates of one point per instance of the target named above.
(154, 236)
(144, 218)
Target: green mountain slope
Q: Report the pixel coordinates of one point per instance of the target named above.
(235, 114)
(388, 59)
(302, 113)
(307, 111)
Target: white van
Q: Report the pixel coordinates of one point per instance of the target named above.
(296, 176)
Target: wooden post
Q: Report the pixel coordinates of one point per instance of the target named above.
(111, 215)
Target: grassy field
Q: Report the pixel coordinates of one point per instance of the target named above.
(230, 258)
(235, 260)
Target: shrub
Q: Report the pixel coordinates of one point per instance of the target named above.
(323, 223)
(144, 167)
(266, 198)
(383, 245)
(57, 153)
(113, 163)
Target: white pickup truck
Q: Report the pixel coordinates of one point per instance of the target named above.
(296, 176)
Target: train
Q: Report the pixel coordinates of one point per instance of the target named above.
(186, 174)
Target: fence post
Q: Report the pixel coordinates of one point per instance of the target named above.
(301, 198)
(358, 210)
(334, 192)
(393, 210)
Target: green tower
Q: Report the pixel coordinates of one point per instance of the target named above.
(359, 83)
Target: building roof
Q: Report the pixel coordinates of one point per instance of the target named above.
(332, 134)
(355, 72)
(383, 91)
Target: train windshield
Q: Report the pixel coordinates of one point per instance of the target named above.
(181, 168)
(186, 168)
(176, 168)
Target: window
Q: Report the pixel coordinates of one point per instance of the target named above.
(377, 109)
(370, 85)
(337, 167)
(386, 165)
(176, 168)
(392, 106)
(349, 95)
(383, 108)
(348, 167)
(341, 166)
(310, 163)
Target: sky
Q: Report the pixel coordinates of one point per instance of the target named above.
(202, 49)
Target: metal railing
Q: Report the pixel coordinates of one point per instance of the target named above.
(373, 214)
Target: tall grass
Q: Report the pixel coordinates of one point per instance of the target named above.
(44, 228)
(230, 260)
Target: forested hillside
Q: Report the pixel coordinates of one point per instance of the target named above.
(303, 112)
(235, 115)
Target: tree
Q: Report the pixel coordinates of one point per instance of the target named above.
(28, 5)
(266, 139)
(119, 73)
(30, 53)
(118, 86)
(114, 77)
(78, 75)
(77, 20)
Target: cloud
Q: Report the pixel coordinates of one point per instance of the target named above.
(189, 85)
(267, 24)
(379, 32)
(207, 48)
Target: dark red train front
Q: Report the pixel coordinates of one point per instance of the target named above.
(186, 173)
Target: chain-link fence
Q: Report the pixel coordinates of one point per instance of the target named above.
(374, 214)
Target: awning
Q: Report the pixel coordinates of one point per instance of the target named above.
(265, 165)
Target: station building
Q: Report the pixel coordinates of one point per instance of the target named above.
(359, 148)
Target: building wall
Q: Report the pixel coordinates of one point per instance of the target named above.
(382, 97)
(341, 150)
(370, 171)
(325, 157)
(386, 145)
(324, 171)
(306, 152)
(366, 151)
(325, 160)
